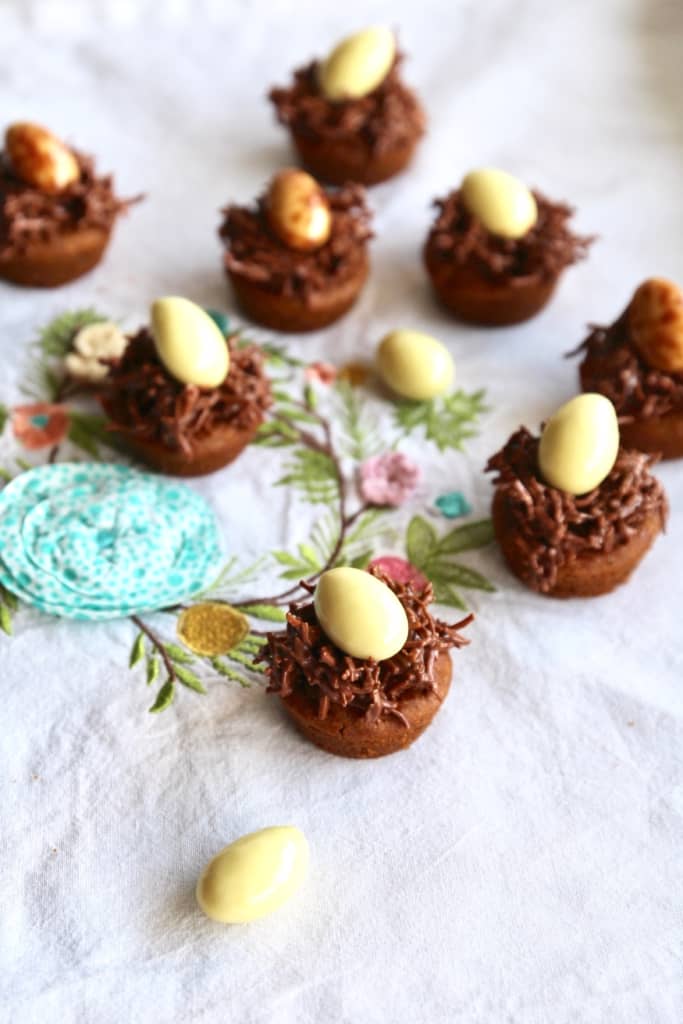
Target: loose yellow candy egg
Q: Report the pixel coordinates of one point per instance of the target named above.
(358, 64)
(415, 365)
(503, 203)
(579, 444)
(253, 876)
(360, 614)
(298, 210)
(189, 342)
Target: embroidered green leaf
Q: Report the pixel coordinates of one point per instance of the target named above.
(421, 541)
(189, 679)
(4, 416)
(164, 697)
(445, 593)
(87, 431)
(448, 422)
(178, 654)
(231, 577)
(252, 643)
(244, 659)
(266, 612)
(137, 651)
(5, 475)
(55, 339)
(467, 537)
(229, 673)
(451, 572)
(314, 474)
(153, 665)
(23, 464)
(310, 397)
(360, 432)
(277, 355)
(361, 561)
(5, 620)
(276, 433)
(368, 528)
(284, 558)
(10, 599)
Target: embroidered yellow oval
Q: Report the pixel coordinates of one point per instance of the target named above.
(212, 628)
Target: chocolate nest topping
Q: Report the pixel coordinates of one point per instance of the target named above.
(612, 366)
(302, 657)
(542, 253)
(144, 401)
(555, 526)
(253, 251)
(387, 117)
(28, 215)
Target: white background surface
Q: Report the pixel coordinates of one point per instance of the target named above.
(523, 862)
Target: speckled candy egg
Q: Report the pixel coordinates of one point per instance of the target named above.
(579, 444)
(415, 365)
(360, 614)
(253, 876)
(189, 342)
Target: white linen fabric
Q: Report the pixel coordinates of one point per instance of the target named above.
(522, 863)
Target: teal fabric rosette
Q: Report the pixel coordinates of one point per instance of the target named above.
(89, 541)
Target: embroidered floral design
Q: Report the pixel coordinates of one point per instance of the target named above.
(326, 373)
(388, 479)
(400, 569)
(453, 505)
(354, 373)
(40, 424)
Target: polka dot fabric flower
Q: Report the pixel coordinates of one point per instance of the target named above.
(89, 541)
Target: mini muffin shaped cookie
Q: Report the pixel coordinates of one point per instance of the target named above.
(637, 362)
(185, 399)
(298, 258)
(573, 511)
(350, 116)
(364, 667)
(496, 250)
(56, 214)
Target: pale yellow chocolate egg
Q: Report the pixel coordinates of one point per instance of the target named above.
(503, 204)
(298, 210)
(189, 342)
(253, 876)
(415, 365)
(579, 444)
(358, 64)
(360, 614)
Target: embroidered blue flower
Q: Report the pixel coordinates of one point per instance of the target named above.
(453, 505)
(220, 319)
(88, 541)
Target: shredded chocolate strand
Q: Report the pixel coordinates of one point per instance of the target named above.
(255, 252)
(28, 215)
(545, 250)
(554, 526)
(387, 117)
(612, 366)
(303, 656)
(146, 402)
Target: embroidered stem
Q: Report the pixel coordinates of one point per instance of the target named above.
(158, 646)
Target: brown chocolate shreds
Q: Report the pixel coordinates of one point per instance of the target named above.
(389, 116)
(302, 656)
(255, 252)
(613, 366)
(145, 401)
(29, 215)
(545, 250)
(554, 526)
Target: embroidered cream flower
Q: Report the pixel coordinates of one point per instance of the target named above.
(93, 346)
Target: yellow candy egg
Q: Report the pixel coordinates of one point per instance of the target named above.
(502, 203)
(360, 614)
(415, 365)
(358, 64)
(253, 876)
(189, 342)
(579, 444)
(298, 210)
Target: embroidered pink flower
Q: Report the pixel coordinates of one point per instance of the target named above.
(326, 373)
(400, 570)
(388, 479)
(40, 425)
